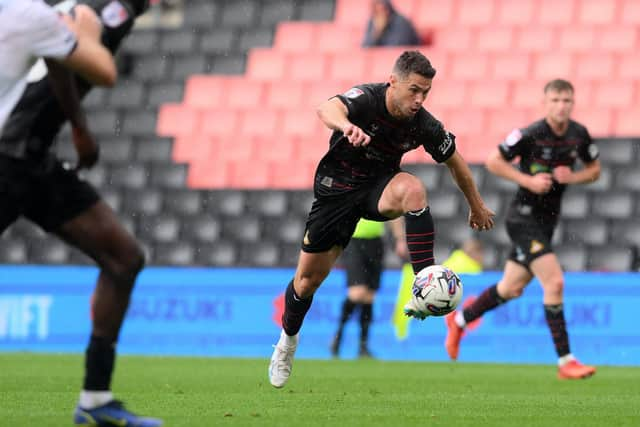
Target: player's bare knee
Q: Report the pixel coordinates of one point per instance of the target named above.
(554, 287)
(127, 264)
(308, 284)
(414, 197)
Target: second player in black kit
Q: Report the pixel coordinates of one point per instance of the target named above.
(548, 151)
(360, 177)
(38, 186)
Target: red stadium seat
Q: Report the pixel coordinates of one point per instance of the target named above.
(381, 62)
(243, 93)
(300, 122)
(265, 64)
(595, 66)
(259, 122)
(294, 36)
(535, 39)
(503, 122)
(599, 121)
(623, 39)
(233, 148)
(626, 122)
(251, 173)
(552, 66)
(219, 122)
(280, 147)
(597, 12)
(515, 12)
(354, 13)
(556, 12)
(494, 39)
(527, 94)
(630, 12)
(346, 66)
(457, 40)
(177, 119)
(285, 94)
(204, 91)
(408, 8)
(203, 174)
(298, 176)
(447, 93)
(477, 13)
(469, 66)
(617, 94)
(188, 148)
(332, 38)
(434, 14)
(467, 122)
(629, 66)
(489, 94)
(577, 39)
(307, 67)
(511, 66)
(320, 91)
(313, 148)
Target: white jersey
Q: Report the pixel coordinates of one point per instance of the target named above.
(29, 29)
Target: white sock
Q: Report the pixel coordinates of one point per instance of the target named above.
(565, 359)
(288, 340)
(459, 319)
(93, 399)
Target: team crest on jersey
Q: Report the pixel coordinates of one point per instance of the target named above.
(354, 92)
(593, 150)
(536, 247)
(114, 14)
(513, 138)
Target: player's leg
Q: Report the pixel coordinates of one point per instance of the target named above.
(355, 296)
(514, 279)
(405, 194)
(366, 317)
(549, 272)
(372, 271)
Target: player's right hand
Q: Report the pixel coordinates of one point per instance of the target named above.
(356, 136)
(540, 183)
(86, 147)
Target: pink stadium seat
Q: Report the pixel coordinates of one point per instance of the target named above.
(629, 66)
(577, 39)
(243, 93)
(300, 122)
(475, 12)
(623, 39)
(280, 147)
(332, 38)
(556, 12)
(177, 119)
(285, 94)
(202, 174)
(434, 14)
(528, 94)
(381, 61)
(188, 148)
(552, 66)
(408, 8)
(489, 94)
(597, 12)
(630, 12)
(353, 13)
(345, 66)
(467, 122)
(251, 173)
(204, 91)
(319, 91)
(219, 122)
(515, 12)
(584, 92)
(308, 67)
(453, 40)
(599, 121)
(313, 148)
(594, 66)
(259, 122)
(626, 122)
(469, 66)
(265, 64)
(233, 148)
(617, 94)
(298, 177)
(502, 122)
(294, 36)
(535, 39)
(447, 93)
(491, 39)
(510, 66)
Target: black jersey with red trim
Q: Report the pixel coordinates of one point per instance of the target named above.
(345, 167)
(541, 150)
(37, 118)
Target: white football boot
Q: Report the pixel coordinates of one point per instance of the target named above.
(412, 309)
(282, 359)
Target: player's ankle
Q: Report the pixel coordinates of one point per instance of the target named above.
(566, 359)
(459, 319)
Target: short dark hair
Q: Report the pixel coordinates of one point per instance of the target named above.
(412, 61)
(558, 85)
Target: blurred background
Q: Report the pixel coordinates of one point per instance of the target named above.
(209, 140)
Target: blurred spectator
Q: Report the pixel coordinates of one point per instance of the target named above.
(467, 259)
(387, 27)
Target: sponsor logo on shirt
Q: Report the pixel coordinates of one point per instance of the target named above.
(114, 14)
(593, 151)
(446, 144)
(513, 138)
(536, 246)
(353, 93)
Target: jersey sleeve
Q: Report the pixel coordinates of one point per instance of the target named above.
(358, 101)
(587, 149)
(49, 35)
(514, 144)
(117, 18)
(439, 142)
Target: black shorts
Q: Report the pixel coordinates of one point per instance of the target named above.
(334, 214)
(363, 262)
(530, 241)
(45, 192)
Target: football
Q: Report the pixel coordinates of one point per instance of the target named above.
(436, 290)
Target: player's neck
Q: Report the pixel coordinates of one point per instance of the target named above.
(558, 128)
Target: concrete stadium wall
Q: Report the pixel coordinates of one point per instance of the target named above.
(234, 312)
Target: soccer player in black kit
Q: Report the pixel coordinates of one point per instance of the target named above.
(36, 185)
(360, 177)
(547, 150)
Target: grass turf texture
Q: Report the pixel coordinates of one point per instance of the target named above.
(42, 390)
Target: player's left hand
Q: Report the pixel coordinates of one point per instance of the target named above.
(562, 174)
(86, 147)
(481, 219)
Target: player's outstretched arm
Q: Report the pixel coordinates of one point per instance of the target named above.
(90, 58)
(334, 115)
(539, 183)
(480, 216)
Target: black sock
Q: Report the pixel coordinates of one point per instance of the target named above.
(420, 233)
(366, 315)
(558, 327)
(99, 361)
(347, 309)
(295, 309)
(488, 300)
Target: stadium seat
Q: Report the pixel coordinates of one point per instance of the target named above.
(433, 14)
(219, 254)
(286, 229)
(456, 40)
(203, 175)
(455, 229)
(167, 176)
(428, 174)
(204, 91)
(271, 203)
(537, 40)
(218, 40)
(331, 38)
(249, 173)
(244, 229)
(346, 66)
(300, 202)
(448, 94)
(275, 11)
(164, 228)
(295, 37)
(182, 202)
(174, 253)
(240, 14)
(528, 95)
(572, 257)
(548, 66)
(251, 38)
(594, 66)
(164, 93)
(204, 228)
(510, 66)
(261, 254)
(244, 94)
(257, 122)
(298, 177)
(627, 179)
(48, 251)
(599, 120)
(191, 148)
(616, 38)
(626, 122)
(630, 12)
(611, 258)
(626, 232)
(489, 94)
(479, 13)
(443, 204)
(229, 203)
(285, 94)
(604, 182)
(494, 40)
(146, 203)
(575, 205)
(614, 205)
(577, 39)
(265, 64)
(589, 231)
(308, 67)
(515, 12)
(219, 122)
(596, 12)
(558, 13)
(200, 15)
(13, 251)
(185, 65)
(131, 177)
(176, 119)
(352, 12)
(313, 10)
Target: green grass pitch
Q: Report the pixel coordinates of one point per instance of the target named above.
(41, 390)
